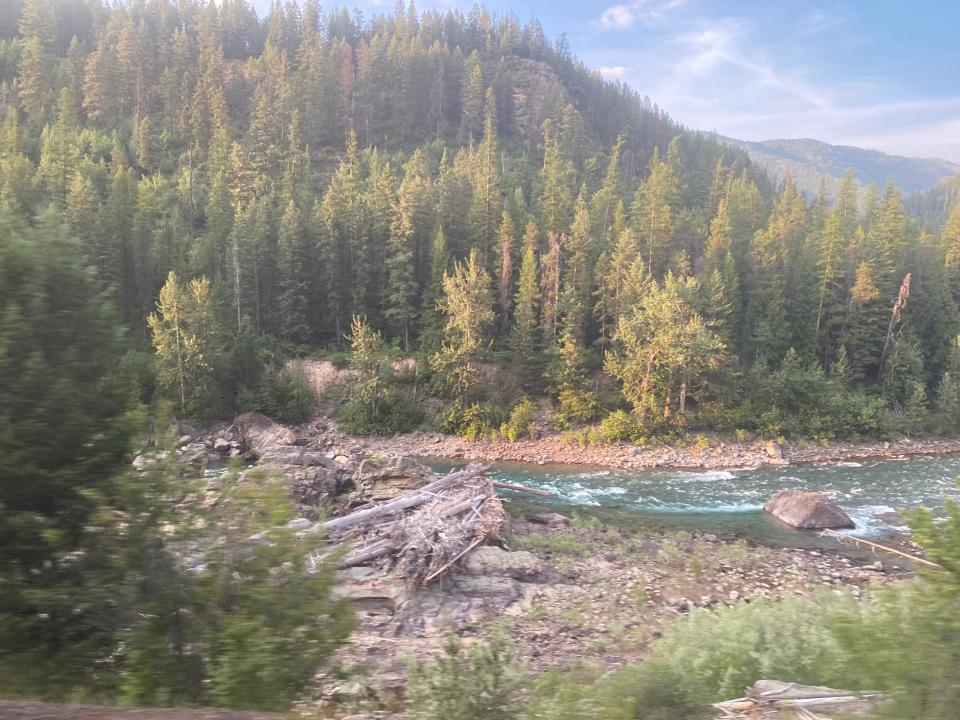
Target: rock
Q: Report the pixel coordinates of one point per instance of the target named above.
(221, 445)
(186, 428)
(142, 462)
(487, 586)
(261, 433)
(774, 450)
(491, 560)
(807, 510)
(184, 440)
(373, 596)
(551, 519)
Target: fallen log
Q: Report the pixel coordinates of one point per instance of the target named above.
(521, 488)
(405, 502)
(877, 546)
(422, 533)
(773, 699)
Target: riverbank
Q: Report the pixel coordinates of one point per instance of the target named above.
(557, 449)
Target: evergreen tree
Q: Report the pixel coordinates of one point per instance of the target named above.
(294, 276)
(485, 210)
(467, 306)
(523, 335)
(653, 214)
(37, 60)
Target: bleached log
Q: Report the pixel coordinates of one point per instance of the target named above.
(405, 502)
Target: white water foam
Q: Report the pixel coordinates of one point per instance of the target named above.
(707, 476)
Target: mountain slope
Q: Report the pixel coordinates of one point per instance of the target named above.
(933, 207)
(807, 161)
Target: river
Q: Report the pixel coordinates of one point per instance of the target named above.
(730, 502)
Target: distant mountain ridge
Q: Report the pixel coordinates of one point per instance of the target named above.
(807, 161)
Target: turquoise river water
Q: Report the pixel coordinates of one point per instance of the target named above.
(730, 502)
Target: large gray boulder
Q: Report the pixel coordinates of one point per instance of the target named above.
(807, 511)
(491, 560)
(260, 433)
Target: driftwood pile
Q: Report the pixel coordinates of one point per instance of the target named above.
(775, 700)
(420, 534)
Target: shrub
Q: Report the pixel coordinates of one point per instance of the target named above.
(285, 396)
(729, 649)
(619, 426)
(577, 405)
(471, 422)
(521, 418)
(397, 413)
(650, 691)
(461, 684)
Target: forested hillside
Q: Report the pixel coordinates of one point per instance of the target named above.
(466, 189)
(812, 162)
(933, 208)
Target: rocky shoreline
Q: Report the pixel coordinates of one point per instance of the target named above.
(719, 455)
(564, 591)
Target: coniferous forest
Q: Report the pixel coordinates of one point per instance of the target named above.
(191, 195)
(295, 171)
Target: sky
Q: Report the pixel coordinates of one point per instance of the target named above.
(880, 74)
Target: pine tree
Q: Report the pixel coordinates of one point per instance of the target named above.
(431, 322)
(294, 276)
(505, 285)
(950, 243)
(550, 276)
(577, 276)
(60, 152)
(523, 335)
(569, 375)
(411, 219)
(485, 209)
(556, 199)
(471, 101)
(37, 66)
(652, 212)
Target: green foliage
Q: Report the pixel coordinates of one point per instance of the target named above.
(649, 691)
(799, 400)
(907, 641)
(286, 396)
(187, 344)
(398, 413)
(620, 426)
(63, 430)
(475, 421)
(666, 349)
(727, 650)
(521, 419)
(374, 405)
(478, 682)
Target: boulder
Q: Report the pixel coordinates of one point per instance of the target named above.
(490, 560)
(260, 433)
(807, 511)
(551, 519)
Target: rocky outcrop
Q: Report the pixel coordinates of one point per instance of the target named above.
(260, 433)
(491, 560)
(807, 511)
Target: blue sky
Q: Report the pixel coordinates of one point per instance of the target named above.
(875, 73)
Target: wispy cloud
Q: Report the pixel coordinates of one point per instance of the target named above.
(625, 15)
(614, 72)
(720, 75)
